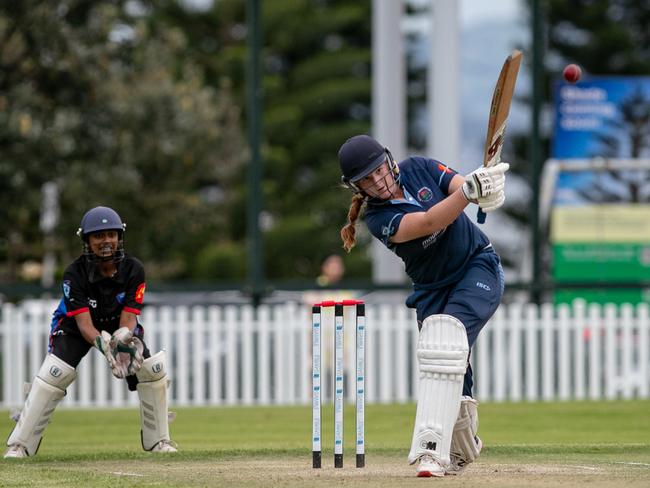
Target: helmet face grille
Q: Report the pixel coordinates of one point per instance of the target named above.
(91, 257)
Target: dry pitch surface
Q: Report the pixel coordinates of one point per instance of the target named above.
(287, 471)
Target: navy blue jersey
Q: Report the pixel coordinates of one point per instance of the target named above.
(439, 259)
(104, 298)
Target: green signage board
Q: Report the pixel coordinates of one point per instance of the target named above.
(601, 262)
(601, 243)
(611, 295)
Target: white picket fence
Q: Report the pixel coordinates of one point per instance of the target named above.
(235, 355)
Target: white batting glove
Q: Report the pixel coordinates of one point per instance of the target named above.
(492, 202)
(484, 182)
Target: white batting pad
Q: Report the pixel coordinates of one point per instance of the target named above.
(46, 392)
(442, 352)
(152, 390)
(463, 442)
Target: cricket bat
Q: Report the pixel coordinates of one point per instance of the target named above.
(499, 110)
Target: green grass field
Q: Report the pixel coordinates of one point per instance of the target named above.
(542, 444)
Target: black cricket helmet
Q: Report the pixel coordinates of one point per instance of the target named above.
(101, 219)
(361, 155)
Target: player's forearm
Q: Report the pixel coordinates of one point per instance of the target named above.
(455, 184)
(421, 224)
(86, 327)
(129, 320)
(445, 212)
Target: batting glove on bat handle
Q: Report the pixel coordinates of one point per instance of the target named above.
(492, 202)
(483, 182)
(501, 168)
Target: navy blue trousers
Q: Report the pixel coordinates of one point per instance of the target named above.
(472, 300)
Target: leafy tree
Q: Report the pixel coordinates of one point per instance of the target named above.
(316, 93)
(96, 100)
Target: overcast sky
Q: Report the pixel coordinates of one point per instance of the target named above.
(479, 10)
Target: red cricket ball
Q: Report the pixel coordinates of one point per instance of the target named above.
(572, 73)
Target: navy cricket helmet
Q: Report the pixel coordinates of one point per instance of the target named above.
(100, 218)
(361, 155)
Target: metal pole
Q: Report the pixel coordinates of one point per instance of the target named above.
(254, 95)
(443, 83)
(535, 146)
(388, 112)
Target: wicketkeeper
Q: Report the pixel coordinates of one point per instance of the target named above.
(415, 208)
(103, 294)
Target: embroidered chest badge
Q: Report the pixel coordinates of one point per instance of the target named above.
(425, 194)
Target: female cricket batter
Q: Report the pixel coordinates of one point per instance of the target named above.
(103, 292)
(416, 209)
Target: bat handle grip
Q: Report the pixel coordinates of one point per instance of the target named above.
(480, 216)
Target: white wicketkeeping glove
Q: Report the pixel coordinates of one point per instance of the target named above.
(127, 353)
(484, 182)
(102, 342)
(492, 202)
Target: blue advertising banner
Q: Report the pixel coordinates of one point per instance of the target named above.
(605, 117)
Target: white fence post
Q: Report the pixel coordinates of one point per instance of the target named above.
(579, 356)
(198, 355)
(611, 340)
(514, 356)
(643, 321)
(564, 333)
(214, 364)
(247, 365)
(499, 358)
(531, 328)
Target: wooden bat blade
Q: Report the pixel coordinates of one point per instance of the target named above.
(499, 110)
(500, 107)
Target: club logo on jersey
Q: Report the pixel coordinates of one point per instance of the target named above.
(66, 288)
(425, 194)
(139, 293)
(120, 298)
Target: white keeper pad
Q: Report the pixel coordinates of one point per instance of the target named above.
(47, 390)
(152, 390)
(463, 442)
(442, 352)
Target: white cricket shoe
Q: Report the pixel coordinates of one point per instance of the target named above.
(428, 467)
(164, 446)
(16, 451)
(458, 462)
